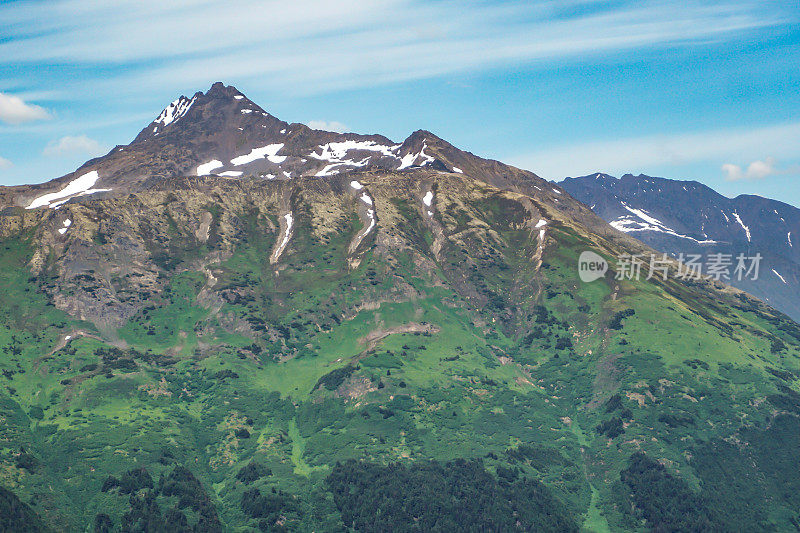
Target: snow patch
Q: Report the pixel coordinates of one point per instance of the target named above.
(329, 170)
(366, 198)
(238, 96)
(231, 174)
(428, 198)
(643, 215)
(789, 238)
(745, 228)
(776, 273)
(427, 158)
(81, 186)
(174, 111)
(67, 224)
(628, 224)
(246, 111)
(206, 168)
(457, 170)
(289, 221)
(356, 185)
(541, 223)
(337, 151)
(268, 151)
(409, 159)
(371, 215)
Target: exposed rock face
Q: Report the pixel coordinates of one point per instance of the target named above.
(145, 209)
(138, 211)
(120, 251)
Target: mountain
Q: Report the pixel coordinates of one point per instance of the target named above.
(222, 133)
(690, 218)
(402, 342)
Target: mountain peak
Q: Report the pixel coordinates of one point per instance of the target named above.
(219, 108)
(220, 91)
(223, 133)
(219, 86)
(596, 176)
(175, 110)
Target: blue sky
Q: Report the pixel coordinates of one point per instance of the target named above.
(690, 90)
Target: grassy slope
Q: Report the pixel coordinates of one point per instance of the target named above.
(477, 387)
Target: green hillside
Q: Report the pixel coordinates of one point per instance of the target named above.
(449, 373)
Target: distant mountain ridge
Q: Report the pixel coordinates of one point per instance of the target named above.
(689, 217)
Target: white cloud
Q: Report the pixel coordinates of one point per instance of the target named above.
(757, 170)
(327, 126)
(5, 163)
(14, 110)
(69, 145)
(641, 153)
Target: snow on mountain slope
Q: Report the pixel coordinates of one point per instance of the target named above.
(223, 133)
(80, 186)
(690, 218)
(175, 110)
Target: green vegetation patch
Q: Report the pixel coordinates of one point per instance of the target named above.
(432, 496)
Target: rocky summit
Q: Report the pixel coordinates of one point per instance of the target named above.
(239, 324)
(222, 133)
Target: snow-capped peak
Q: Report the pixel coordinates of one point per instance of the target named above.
(175, 110)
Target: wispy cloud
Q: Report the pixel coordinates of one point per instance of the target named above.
(105, 68)
(5, 163)
(327, 125)
(69, 146)
(14, 110)
(756, 170)
(640, 153)
(319, 46)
